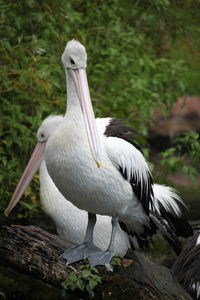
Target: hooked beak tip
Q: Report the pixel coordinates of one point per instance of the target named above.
(98, 164)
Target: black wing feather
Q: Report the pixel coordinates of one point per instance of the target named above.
(143, 191)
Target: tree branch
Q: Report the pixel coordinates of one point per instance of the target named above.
(36, 252)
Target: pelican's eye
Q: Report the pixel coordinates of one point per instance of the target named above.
(42, 136)
(72, 62)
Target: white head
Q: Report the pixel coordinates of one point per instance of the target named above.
(47, 128)
(74, 56)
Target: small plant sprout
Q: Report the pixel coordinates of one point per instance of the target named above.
(85, 279)
(116, 260)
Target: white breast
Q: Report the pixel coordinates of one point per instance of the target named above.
(71, 222)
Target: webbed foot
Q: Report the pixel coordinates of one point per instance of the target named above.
(102, 258)
(79, 252)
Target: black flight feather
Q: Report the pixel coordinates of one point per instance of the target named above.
(143, 191)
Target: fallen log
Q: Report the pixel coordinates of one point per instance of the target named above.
(36, 252)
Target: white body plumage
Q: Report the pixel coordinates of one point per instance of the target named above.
(71, 222)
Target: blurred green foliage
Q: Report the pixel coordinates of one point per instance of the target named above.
(133, 65)
(175, 158)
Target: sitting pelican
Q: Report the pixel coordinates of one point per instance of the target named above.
(187, 267)
(121, 186)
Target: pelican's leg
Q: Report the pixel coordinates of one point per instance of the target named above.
(82, 251)
(105, 257)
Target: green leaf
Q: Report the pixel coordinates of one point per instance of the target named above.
(80, 284)
(86, 273)
(92, 284)
(72, 277)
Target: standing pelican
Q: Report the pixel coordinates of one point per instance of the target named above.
(121, 186)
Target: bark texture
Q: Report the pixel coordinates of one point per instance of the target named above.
(36, 252)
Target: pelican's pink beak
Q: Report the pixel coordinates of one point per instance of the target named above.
(32, 167)
(80, 81)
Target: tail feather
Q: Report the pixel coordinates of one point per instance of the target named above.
(167, 232)
(168, 215)
(171, 208)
